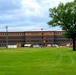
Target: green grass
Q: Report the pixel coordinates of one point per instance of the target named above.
(38, 61)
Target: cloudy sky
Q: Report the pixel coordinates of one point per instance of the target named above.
(26, 15)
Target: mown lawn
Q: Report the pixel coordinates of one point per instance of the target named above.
(38, 61)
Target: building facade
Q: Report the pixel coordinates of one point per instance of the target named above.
(33, 37)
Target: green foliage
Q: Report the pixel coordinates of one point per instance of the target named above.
(71, 33)
(63, 15)
(38, 61)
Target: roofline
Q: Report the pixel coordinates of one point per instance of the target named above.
(29, 31)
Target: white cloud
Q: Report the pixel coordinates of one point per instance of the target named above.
(28, 14)
(33, 8)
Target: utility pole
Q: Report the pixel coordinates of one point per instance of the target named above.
(6, 36)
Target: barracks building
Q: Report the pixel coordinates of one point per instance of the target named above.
(33, 37)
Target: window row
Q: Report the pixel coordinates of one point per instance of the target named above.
(19, 37)
(10, 41)
(12, 33)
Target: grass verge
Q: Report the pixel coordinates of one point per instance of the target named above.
(37, 61)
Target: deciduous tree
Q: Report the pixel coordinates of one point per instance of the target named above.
(64, 15)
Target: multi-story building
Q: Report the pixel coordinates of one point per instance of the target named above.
(33, 37)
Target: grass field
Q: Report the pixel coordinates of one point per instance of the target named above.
(38, 61)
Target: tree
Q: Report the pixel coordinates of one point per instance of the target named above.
(64, 15)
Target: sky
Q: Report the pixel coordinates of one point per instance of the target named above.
(27, 15)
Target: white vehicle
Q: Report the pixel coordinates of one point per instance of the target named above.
(35, 46)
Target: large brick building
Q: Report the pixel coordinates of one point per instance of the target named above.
(34, 37)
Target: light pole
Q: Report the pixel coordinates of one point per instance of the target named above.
(6, 36)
